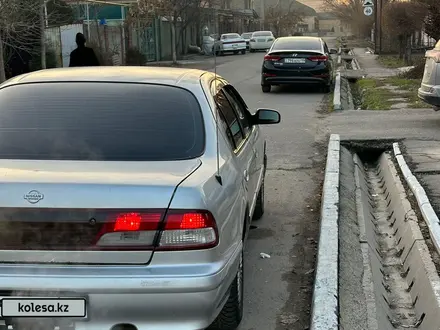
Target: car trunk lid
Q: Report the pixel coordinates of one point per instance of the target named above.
(288, 60)
(69, 211)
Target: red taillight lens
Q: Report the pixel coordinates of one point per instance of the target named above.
(188, 230)
(271, 58)
(252, 40)
(128, 222)
(318, 58)
(181, 230)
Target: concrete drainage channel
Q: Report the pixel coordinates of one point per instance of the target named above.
(378, 242)
(348, 71)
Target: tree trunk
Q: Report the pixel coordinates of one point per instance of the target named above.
(401, 47)
(2, 62)
(173, 39)
(408, 59)
(42, 35)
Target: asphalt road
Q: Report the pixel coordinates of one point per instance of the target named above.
(278, 290)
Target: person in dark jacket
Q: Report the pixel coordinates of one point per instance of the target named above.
(82, 55)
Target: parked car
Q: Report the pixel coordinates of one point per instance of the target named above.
(247, 37)
(429, 90)
(261, 40)
(131, 203)
(293, 60)
(230, 43)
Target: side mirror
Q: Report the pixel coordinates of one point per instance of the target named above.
(333, 51)
(266, 117)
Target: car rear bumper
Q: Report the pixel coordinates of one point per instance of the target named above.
(287, 80)
(429, 97)
(235, 49)
(148, 298)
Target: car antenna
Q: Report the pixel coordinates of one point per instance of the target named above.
(218, 176)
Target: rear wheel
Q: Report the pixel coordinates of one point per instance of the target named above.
(243, 51)
(232, 313)
(252, 50)
(266, 88)
(235, 52)
(326, 88)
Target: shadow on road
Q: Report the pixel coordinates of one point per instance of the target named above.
(297, 89)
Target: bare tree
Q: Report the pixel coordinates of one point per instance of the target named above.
(432, 19)
(401, 20)
(283, 21)
(19, 28)
(352, 13)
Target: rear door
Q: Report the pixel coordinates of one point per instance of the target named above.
(251, 134)
(240, 132)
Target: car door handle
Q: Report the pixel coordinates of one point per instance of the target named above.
(246, 175)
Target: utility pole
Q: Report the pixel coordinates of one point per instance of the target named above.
(380, 26)
(42, 33)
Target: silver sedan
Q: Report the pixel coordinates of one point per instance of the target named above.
(126, 197)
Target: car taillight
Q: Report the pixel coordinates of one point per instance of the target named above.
(318, 58)
(272, 58)
(252, 40)
(181, 230)
(188, 230)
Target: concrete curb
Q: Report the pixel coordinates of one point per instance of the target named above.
(325, 292)
(370, 50)
(337, 93)
(355, 63)
(423, 202)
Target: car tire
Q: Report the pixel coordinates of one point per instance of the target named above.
(252, 50)
(243, 51)
(235, 52)
(259, 206)
(436, 108)
(266, 88)
(232, 313)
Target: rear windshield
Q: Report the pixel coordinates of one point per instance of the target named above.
(230, 36)
(297, 44)
(100, 121)
(262, 34)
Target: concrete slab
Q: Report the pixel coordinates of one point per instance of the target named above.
(347, 57)
(353, 74)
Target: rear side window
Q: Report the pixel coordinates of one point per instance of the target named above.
(100, 121)
(230, 36)
(297, 44)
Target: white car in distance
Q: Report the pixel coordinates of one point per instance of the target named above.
(230, 43)
(261, 40)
